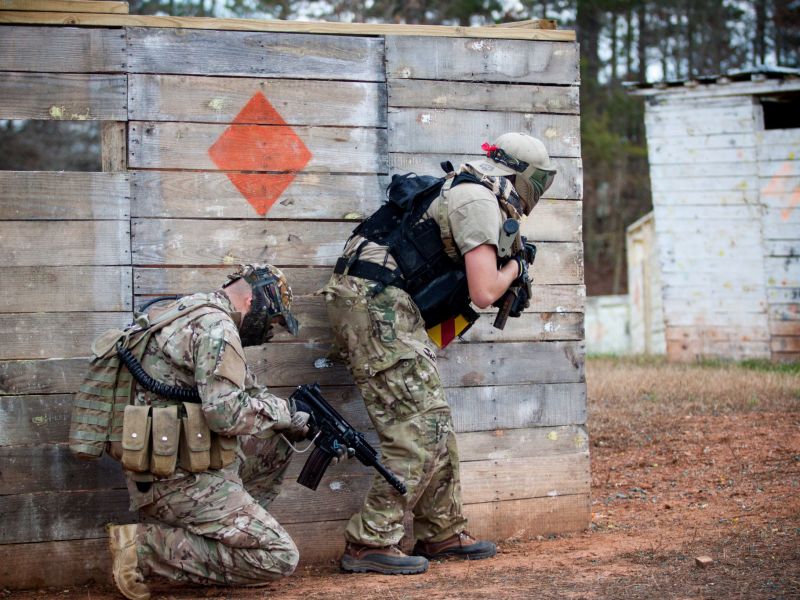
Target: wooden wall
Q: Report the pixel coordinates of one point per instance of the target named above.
(704, 175)
(778, 154)
(644, 288)
(168, 216)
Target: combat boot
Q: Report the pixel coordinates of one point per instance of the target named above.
(125, 562)
(389, 561)
(460, 545)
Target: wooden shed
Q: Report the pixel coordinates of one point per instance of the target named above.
(725, 172)
(646, 313)
(227, 141)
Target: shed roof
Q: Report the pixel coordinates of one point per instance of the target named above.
(755, 80)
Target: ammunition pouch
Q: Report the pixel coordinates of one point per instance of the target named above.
(156, 440)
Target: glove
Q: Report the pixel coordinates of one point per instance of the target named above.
(528, 251)
(299, 427)
(342, 455)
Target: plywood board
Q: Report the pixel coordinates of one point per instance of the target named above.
(66, 50)
(154, 145)
(481, 60)
(568, 184)
(68, 243)
(54, 335)
(221, 99)
(413, 130)
(49, 195)
(227, 53)
(212, 195)
(72, 289)
(59, 96)
(414, 93)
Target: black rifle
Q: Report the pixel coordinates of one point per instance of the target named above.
(333, 437)
(517, 296)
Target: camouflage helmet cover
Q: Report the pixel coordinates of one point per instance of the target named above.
(271, 288)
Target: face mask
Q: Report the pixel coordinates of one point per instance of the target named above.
(256, 328)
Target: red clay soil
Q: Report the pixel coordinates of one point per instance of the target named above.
(724, 487)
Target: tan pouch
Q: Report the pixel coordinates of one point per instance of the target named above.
(136, 438)
(195, 445)
(223, 450)
(166, 432)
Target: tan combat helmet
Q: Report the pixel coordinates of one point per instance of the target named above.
(524, 157)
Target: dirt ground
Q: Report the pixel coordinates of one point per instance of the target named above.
(687, 461)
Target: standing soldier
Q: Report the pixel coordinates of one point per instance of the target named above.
(204, 520)
(387, 272)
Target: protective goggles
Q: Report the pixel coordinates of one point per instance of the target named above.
(276, 310)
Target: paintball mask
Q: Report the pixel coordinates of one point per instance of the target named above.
(272, 300)
(523, 157)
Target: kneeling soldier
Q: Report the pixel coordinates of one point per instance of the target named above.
(202, 499)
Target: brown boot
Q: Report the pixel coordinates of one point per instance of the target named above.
(460, 545)
(125, 562)
(389, 560)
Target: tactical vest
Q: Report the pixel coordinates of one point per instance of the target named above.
(99, 405)
(436, 281)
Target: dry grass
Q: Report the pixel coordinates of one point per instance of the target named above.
(638, 397)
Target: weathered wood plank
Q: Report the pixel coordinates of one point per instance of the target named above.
(310, 197)
(701, 149)
(431, 130)
(79, 6)
(179, 280)
(62, 50)
(166, 281)
(212, 195)
(568, 184)
(57, 469)
(60, 96)
(153, 145)
(51, 376)
(477, 364)
(30, 420)
(735, 119)
(687, 350)
(701, 198)
(279, 25)
(481, 60)
(411, 93)
(738, 169)
(68, 243)
(673, 184)
(780, 168)
(785, 344)
(51, 195)
(529, 327)
(293, 243)
(220, 100)
(73, 289)
(195, 52)
(114, 146)
(82, 561)
(54, 335)
(61, 515)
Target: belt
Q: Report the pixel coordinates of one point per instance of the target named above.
(368, 270)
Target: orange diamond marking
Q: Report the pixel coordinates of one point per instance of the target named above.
(260, 140)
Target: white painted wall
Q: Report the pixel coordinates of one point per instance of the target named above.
(607, 325)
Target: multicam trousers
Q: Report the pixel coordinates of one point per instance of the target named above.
(383, 340)
(213, 527)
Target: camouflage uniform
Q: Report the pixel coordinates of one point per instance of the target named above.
(213, 527)
(393, 361)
